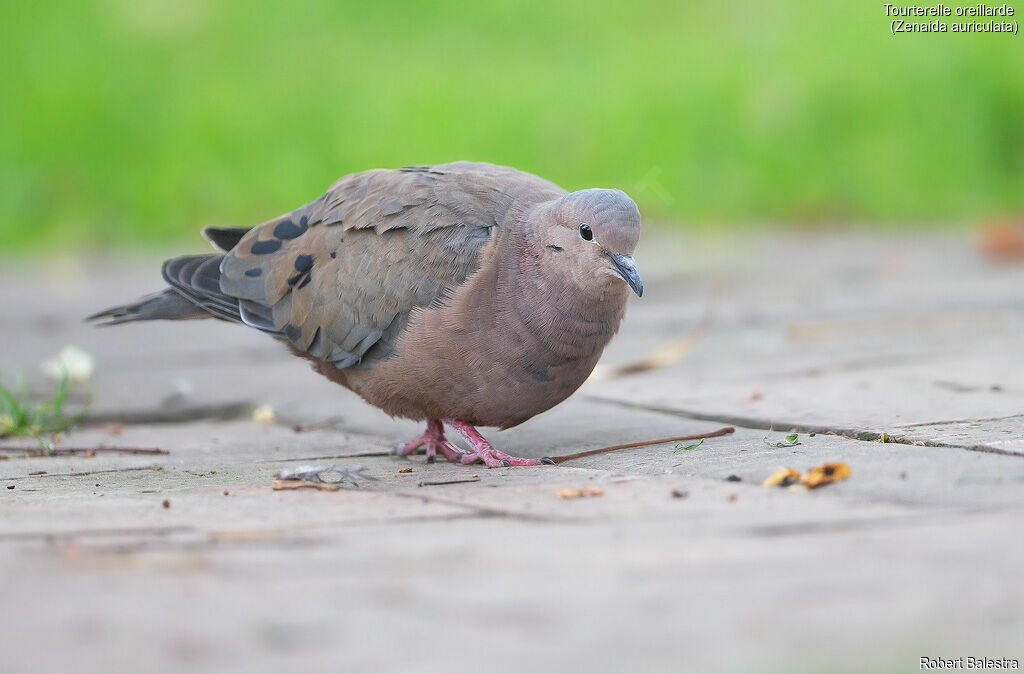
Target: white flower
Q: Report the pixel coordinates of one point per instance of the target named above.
(73, 362)
(264, 414)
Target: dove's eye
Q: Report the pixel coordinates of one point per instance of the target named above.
(586, 232)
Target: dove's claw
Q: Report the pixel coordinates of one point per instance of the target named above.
(432, 438)
(483, 450)
(436, 443)
(547, 461)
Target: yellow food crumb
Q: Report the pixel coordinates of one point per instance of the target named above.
(580, 493)
(783, 477)
(826, 473)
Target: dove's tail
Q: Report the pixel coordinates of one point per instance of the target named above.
(166, 305)
(195, 288)
(194, 292)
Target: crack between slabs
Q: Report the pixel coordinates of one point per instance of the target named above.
(759, 424)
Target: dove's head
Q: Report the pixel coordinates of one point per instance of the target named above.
(591, 235)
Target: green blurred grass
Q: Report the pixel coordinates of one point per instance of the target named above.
(136, 121)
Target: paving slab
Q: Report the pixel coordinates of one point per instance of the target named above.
(898, 352)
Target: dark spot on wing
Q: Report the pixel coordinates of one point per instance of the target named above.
(286, 229)
(334, 254)
(557, 249)
(265, 247)
(305, 281)
(303, 263)
(294, 279)
(254, 272)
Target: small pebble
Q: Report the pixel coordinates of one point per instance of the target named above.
(405, 470)
(167, 503)
(679, 493)
(734, 478)
(226, 492)
(10, 486)
(732, 498)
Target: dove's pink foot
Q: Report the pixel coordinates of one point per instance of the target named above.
(484, 451)
(435, 441)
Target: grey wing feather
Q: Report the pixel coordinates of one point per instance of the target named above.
(224, 238)
(164, 305)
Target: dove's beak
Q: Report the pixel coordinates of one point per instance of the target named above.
(625, 267)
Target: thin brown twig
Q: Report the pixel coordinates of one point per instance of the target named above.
(441, 484)
(557, 459)
(590, 452)
(66, 451)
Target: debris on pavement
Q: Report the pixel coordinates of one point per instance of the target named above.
(245, 535)
(813, 478)
(446, 482)
(405, 470)
(324, 475)
(580, 493)
(310, 473)
(278, 485)
(826, 473)
(36, 452)
(783, 477)
(792, 440)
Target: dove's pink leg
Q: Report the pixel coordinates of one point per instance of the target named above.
(435, 441)
(483, 451)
